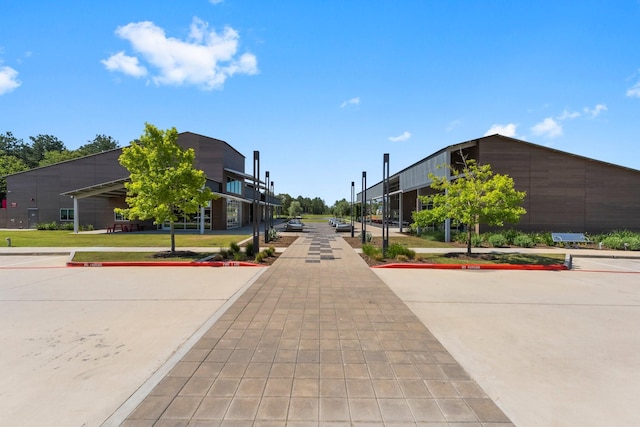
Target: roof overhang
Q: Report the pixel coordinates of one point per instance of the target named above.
(106, 189)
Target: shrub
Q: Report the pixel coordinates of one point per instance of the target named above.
(402, 258)
(497, 240)
(261, 256)
(367, 238)
(47, 225)
(476, 240)
(234, 247)
(270, 251)
(67, 226)
(248, 249)
(511, 235)
(395, 250)
(544, 238)
(369, 250)
(523, 241)
(239, 256)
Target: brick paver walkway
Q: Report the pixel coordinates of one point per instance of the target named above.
(318, 340)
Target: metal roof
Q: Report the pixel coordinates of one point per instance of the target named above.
(106, 189)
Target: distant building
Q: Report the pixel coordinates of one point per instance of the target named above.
(87, 190)
(564, 192)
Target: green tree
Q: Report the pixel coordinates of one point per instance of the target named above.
(474, 196)
(99, 144)
(341, 208)
(295, 209)
(164, 182)
(285, 202)
(51, 157)
(39, 146)
(318, 206)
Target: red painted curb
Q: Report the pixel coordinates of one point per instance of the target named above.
(551, 267)
(164, 264)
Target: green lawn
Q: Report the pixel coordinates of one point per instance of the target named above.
(131, 257)
(38, 238)
(504, 258)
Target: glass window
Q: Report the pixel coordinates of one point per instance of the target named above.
(66, 214)
(233, 213)
(234, 186)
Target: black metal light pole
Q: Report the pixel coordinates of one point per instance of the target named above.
(266, 207)
(352, 213)
(385, 204)
(256, 201)
(271, 206)
(275, 207)
(363, 209)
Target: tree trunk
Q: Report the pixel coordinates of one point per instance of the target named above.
(173, 238)
(469, 239)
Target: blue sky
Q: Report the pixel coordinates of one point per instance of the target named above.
(324, 88)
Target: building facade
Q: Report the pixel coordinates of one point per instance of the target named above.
(564, 192)
(85, 191)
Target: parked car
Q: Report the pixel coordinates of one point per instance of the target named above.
(343, 226)
(294, 225)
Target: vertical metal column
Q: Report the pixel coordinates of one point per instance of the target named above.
(363, 210)
(256, 202)
(352, 213)
(385, 203)
(266, 207)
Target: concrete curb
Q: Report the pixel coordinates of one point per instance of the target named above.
(164, 264)
(551, 267)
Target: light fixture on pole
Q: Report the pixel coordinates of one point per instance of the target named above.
(385, 204)
(266, 207)
(352, 213)
(256, 201)
(363, 209)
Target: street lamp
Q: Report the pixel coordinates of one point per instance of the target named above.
(352, 213)
(266, 207)
(363, 210)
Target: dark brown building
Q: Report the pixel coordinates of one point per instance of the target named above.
(564, 192)
(86, 190)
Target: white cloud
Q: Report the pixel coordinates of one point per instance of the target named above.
(548, 127)
(595, 111)
(400, 138)
(8, 80)
(215, 1)
(125, 64)
(504, 130)
(453, 125)
(353, 101)
(566, 114)
(205, 60)
(634, 91)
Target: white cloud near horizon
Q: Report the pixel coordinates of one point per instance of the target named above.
(205, 60)
(504, 130)
(351, 102)
(549, 127)
(8, 80)
(400, 138)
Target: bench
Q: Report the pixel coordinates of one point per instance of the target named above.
(570, 238)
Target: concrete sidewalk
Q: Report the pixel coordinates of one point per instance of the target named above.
(318, 339)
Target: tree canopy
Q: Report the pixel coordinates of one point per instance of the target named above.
(164, 182)
(474, 195)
